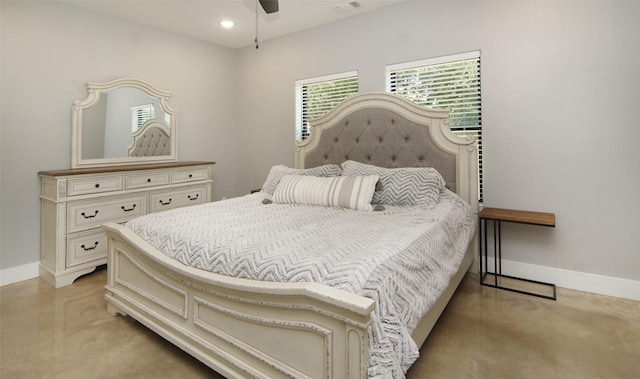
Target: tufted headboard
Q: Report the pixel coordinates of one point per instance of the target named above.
(151, 140)
(389, 131)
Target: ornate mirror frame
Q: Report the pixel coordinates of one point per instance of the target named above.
(95, 90)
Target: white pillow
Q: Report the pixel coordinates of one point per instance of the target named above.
(407, 186)
(353, 192)
(277, 172)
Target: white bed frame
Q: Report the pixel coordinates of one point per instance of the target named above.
(248, 328)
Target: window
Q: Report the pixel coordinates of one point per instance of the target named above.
(451, 82)
(140, 114)
(316, 96)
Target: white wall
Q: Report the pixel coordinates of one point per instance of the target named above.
(49, 51)
(560, 114)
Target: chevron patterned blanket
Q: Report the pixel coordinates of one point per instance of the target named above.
(402, 258)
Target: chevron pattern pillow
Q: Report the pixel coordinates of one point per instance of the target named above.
(277, 172)
(354, 192)
(407, 186)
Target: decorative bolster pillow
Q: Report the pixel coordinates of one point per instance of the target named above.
(354, 192)
(277, 172)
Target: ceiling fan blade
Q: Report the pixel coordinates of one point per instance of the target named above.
(269, 6)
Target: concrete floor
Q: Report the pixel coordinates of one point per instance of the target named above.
(483, 333)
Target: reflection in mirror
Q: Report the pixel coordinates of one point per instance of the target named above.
(125, 121)
(109, 125)
(152, 139)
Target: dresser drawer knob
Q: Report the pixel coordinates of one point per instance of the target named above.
(90, 247)
(89, 216)
(149, 180)
(167, 203)
(191, 175)
(128, 209)
(193, 197)
(97, 185)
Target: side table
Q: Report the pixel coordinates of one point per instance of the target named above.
(497, 216)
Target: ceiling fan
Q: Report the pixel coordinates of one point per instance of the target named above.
(269, 6)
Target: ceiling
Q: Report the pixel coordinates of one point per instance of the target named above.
(200, 19)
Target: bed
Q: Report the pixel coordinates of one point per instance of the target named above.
(152, 139)
(246, 327)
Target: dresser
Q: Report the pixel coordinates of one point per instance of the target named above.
(75, 203)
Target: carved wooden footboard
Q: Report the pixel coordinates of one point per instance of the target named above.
(239, 327)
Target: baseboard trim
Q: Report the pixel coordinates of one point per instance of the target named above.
(19, 273)
(575, 280)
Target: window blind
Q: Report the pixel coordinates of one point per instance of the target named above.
(140, 114)
(451, 82)
(315, 97)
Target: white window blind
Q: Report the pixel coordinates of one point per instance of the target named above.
(451, 82)
(140, 114)
(316, 96)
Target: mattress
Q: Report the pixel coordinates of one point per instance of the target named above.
(401, 257)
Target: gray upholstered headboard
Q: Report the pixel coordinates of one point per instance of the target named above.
(151, 140)
(389, 131)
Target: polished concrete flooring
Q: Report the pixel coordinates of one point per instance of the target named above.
(483, 333)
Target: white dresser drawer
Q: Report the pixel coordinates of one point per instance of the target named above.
(86, 247)
(95, 184)
(190, 175)
(165, 200)
(75, 203)
(83, 215)
(148, 179)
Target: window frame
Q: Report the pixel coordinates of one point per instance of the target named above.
(423, 64)
(301, 130)
(141, 114)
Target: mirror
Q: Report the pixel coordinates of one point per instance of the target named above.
(125, 121)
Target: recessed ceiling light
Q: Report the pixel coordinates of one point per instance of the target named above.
(227, 23)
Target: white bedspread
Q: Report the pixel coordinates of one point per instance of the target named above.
(403, 258)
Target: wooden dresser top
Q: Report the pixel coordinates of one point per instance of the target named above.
(107, 169)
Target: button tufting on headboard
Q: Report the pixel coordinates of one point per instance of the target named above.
(151, 139)
(388, 131)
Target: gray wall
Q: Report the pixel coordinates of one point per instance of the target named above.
(49, 51)
(560, 108)
(560, 87)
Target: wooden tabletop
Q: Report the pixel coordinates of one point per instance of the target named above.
(108, 169)
(522, 217)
